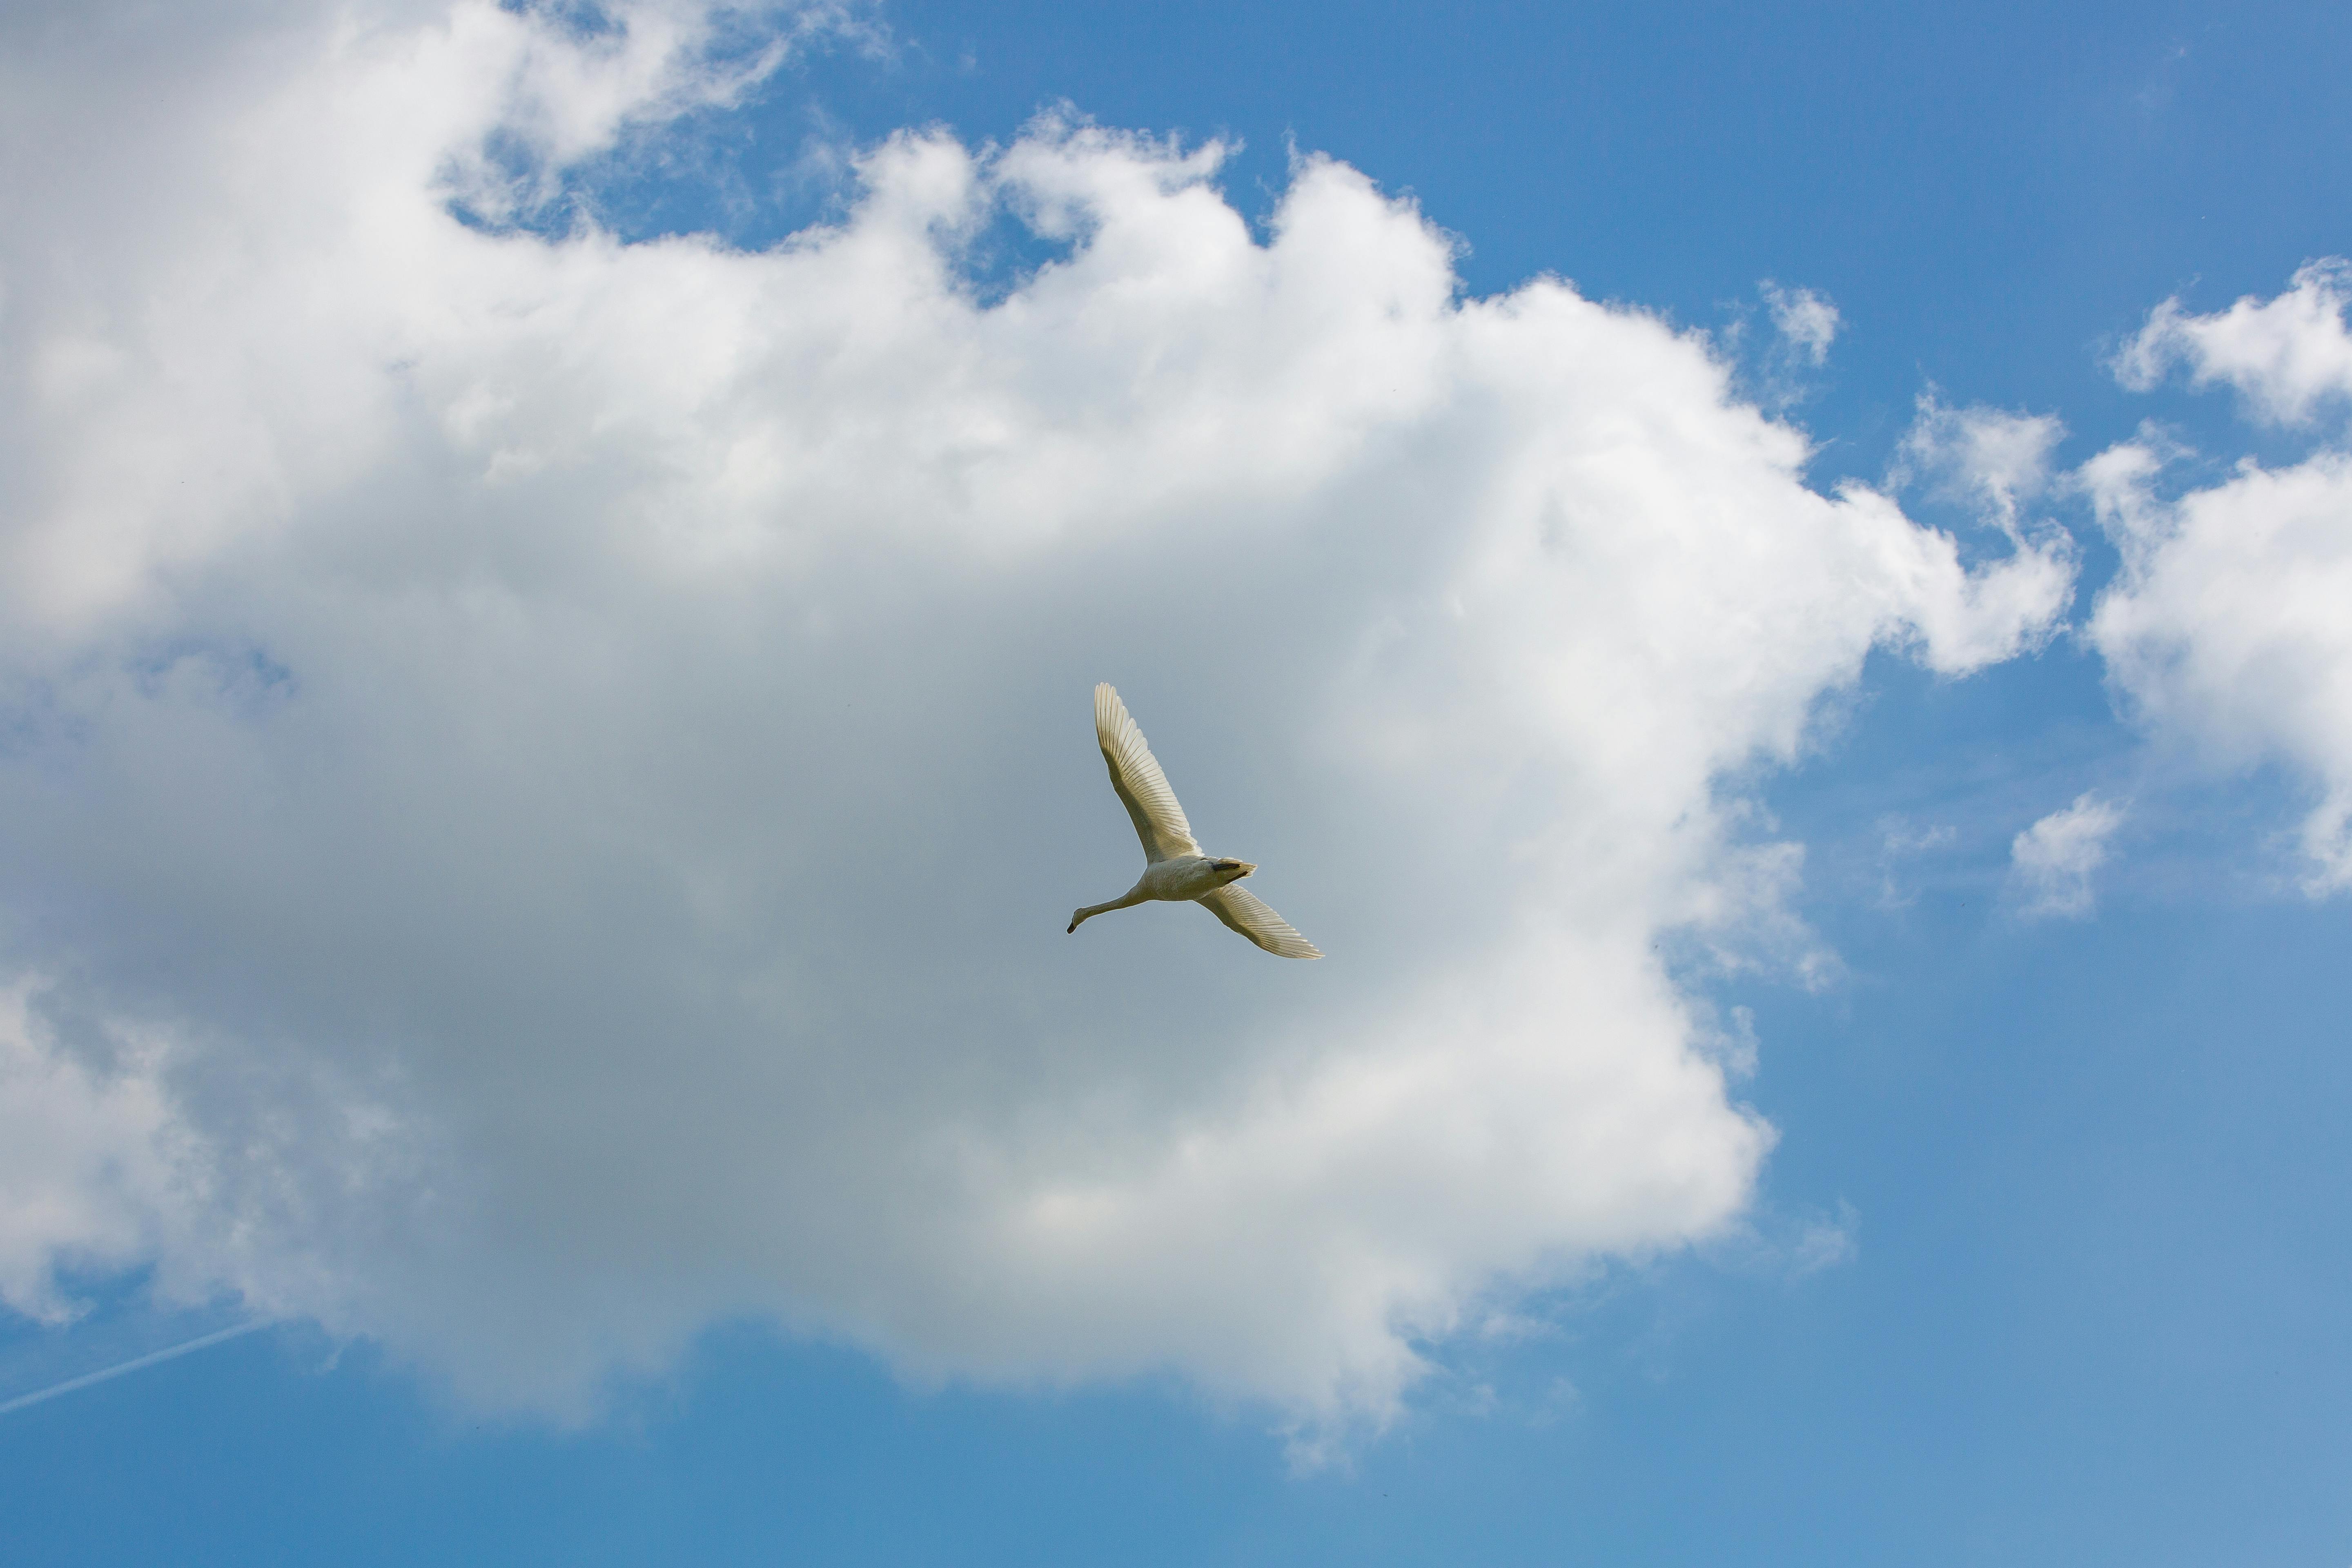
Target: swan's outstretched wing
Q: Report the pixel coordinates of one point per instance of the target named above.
(1142, 787)
(1248, 914)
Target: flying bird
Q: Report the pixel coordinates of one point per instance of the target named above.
(1174, 866)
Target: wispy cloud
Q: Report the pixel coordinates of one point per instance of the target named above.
(2054, 860)
(1899, 842)
(1994, 460)
(1808, 323)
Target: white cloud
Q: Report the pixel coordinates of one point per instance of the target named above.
(2054, 860)
(575, 755)
(1899, 842)
(1987, 458)
(1805, 320)
(2284, 355)
(2226, 629)
(1823, 1243)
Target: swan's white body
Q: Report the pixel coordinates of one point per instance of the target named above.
(1174, 868)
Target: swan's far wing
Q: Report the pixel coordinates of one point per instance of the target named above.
(1248, 914)
(1142, 787)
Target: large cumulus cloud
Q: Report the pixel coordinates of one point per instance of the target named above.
(543, 775)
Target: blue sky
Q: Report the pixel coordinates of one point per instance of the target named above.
(491, 681)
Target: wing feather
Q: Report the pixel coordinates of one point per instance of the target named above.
(1247, 913)
(1142, 787)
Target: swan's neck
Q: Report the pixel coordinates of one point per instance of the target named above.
(1126, 900)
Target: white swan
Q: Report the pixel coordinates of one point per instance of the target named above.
(1174, 867)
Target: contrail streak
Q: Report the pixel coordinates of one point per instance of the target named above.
(149, 1359)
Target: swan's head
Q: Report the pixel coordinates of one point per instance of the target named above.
(1230, 870)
